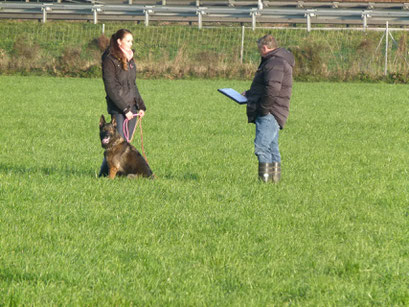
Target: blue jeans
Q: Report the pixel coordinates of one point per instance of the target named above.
(266, 141)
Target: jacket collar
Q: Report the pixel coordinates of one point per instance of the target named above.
(269, 55)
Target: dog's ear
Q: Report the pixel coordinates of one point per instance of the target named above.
(113, 121)
(102, 121)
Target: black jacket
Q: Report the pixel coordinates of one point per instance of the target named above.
(270, 90)
(120, 87)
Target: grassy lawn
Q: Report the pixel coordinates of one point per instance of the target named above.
(335, 231)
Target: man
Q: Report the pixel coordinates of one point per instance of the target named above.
(268, 104)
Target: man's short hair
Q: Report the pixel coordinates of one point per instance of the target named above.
(267, 40)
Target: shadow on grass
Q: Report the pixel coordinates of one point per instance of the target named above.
(65, 171)
(10, 275)
(181, 177)
(72, 171)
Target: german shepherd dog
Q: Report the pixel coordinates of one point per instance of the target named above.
(122, 158)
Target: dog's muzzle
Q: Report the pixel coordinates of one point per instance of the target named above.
(105, 140)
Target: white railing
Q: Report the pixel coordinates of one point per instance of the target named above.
(258, 14)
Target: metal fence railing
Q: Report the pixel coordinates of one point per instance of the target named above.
(259, 13)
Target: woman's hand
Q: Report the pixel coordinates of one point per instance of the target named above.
(129, 115)
(141, 113)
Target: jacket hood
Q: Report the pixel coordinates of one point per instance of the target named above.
(105, 54)
(284, 54)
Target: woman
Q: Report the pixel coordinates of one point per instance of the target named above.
(119, 75)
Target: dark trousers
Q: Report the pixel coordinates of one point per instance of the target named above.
(120, 118)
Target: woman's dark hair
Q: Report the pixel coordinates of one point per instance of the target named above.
(114, 47)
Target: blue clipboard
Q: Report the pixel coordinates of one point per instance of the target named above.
(234, 95)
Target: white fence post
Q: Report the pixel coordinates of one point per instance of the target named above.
(148, 10)
(146, 18)
(386, 47)
(200, 12)
(44, 15)
(365, 15)
(94, 10)
(242, 45)
(309, 14)
(200, 20)
(308, 23)
(253, 14)
(45, 9)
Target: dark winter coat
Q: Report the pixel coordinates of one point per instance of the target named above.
(122, 93)
(270, 90)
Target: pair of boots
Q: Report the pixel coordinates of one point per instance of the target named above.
(269, 172)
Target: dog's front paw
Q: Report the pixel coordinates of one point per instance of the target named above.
(112, 172)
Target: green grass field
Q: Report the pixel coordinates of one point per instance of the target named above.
(334, 232)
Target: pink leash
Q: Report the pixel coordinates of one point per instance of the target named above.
(125, 129)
